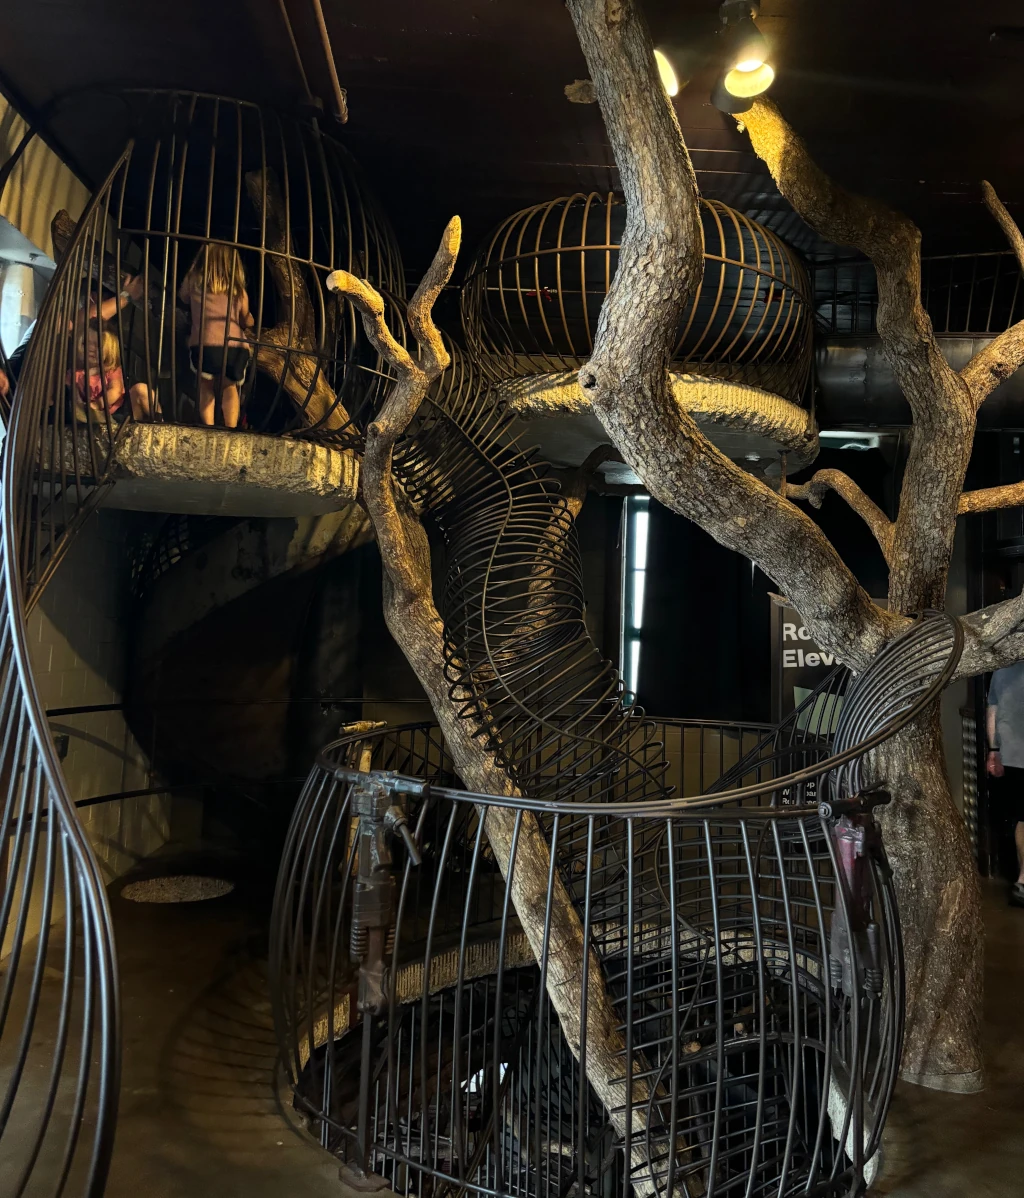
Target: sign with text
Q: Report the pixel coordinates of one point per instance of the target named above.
(798, 666)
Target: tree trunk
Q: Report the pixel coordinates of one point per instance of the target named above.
(940, 910)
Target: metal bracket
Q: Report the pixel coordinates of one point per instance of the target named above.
(854, 934)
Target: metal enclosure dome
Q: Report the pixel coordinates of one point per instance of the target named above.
(192, 174)
(533, 295)
(201, 172)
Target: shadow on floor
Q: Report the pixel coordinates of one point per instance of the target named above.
(201, 1107)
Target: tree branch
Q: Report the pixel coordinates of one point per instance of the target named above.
(813, 491)
(288, 352)
(627, 379)
(575, 487)
(942, 405)
(992, 638)
(414, 622)
(412, 381)
(991, 498)
(1003, 355)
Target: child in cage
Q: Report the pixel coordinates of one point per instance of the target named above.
(97, 382)
(214, 289)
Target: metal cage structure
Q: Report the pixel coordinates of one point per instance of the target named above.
(964, 294)
(533, 294)
(696, 995)
(196, 176)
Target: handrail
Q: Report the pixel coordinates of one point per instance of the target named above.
(52, 890)
(918, 637)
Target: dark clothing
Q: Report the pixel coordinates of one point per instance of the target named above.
(18, 356)
(1006, 811)
(1006, 695)
(1008, 797)
(217, 365)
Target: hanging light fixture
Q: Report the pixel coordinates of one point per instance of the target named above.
(725, 101)
(667, 72)
(748, 72)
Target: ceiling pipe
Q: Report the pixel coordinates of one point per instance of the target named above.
(295, 51)
(340, 99)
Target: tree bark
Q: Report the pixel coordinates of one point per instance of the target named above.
(627, 381)
(939, 901)
(289, 352)
(416, 625)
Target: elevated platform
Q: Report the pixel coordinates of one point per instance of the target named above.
(217, 472)
(751, 426)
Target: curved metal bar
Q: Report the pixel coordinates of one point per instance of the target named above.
(532, 296)
(777, 972)
(201, 175)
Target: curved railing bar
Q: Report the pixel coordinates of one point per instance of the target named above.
(89, 1018)
(681, 805)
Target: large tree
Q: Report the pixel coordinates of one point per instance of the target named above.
(627, 382)
(660, 264)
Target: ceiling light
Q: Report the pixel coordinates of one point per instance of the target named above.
(739, 82)
(747, 50)
(725, 101)
(667, 73)
(747, 70)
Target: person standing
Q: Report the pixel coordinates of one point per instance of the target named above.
(1004, 727)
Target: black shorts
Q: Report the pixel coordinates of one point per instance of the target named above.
(217, 364)
(1008, 796)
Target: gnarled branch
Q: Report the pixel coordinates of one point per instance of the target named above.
(813, 491)
(660, 264)
(414, 622)
(990, 499)
(1004, 354)
(993, 638)
(288, 352)
(942, 405)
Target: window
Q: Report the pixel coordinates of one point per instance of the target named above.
(634, 575)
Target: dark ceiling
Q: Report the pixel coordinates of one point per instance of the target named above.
(458, 105)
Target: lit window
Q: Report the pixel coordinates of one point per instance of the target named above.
(634, 575)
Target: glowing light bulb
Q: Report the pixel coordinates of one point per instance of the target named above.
(667, 73)
(749, 64)
(749, 83)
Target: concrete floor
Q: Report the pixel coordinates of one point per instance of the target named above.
(970, 1146)
(203, 1113)
(200, 1113)
(201, 1109)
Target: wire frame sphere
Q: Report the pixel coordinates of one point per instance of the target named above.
(533, 295)
(216, 196)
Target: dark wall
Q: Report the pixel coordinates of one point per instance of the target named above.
(706, 651)
(599, 532)
(706, 647)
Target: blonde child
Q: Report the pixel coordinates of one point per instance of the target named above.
(98, 384)
(214, 289)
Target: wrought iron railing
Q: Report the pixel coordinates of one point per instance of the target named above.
(742, 965)
(964, 294)
(200, 180)
(59, 1018)
(533, 295)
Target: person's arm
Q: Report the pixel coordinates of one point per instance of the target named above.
(993, 762)
(131, 292)
(5, 386)
(244, 315)
(113, 387)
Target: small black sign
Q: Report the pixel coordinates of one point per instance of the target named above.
(798, 664)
